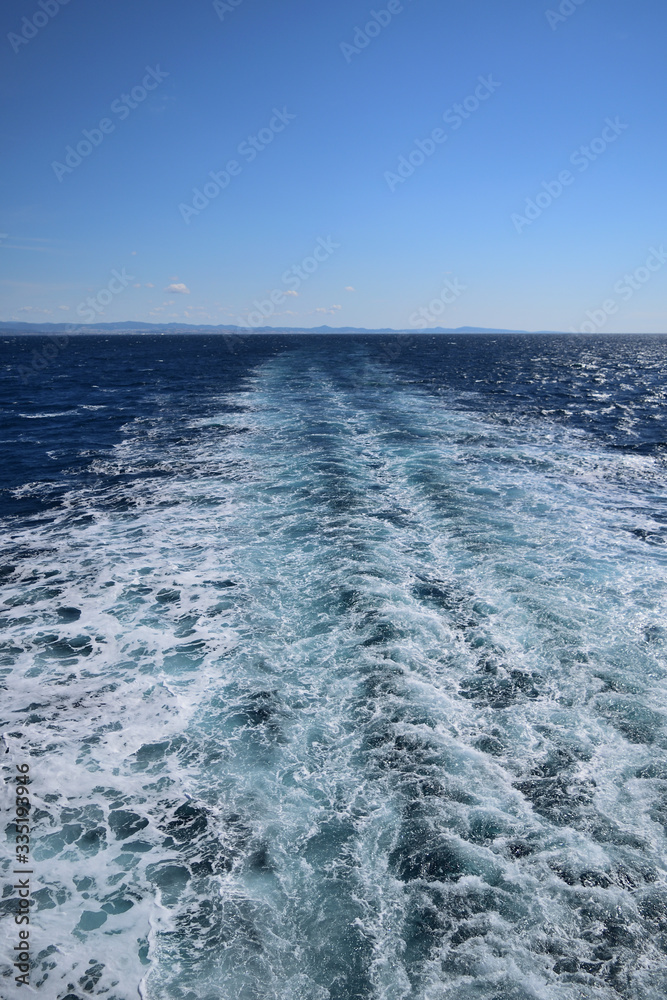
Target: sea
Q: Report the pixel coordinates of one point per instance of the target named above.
(337, 664)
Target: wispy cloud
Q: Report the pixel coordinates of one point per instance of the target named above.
(179, 288)
(26, 243)
(331, 311)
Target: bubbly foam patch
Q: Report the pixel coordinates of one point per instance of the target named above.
(355, 694)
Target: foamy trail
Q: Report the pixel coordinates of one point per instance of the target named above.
(367, 699)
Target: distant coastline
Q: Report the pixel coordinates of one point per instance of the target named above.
(129, 327)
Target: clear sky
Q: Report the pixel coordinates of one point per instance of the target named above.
(304, 120)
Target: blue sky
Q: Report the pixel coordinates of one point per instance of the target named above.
(313, 118)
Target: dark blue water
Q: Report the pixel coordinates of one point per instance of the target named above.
(341, 664)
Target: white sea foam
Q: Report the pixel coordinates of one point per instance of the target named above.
(367, 698)
(47, 416)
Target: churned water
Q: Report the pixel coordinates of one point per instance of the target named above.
(340, 666)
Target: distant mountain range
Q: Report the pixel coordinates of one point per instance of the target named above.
(132, 327)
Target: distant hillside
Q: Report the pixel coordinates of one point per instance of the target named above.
(132, 327)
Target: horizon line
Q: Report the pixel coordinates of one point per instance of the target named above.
(20, 327)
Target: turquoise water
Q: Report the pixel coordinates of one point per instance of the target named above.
(340, 667)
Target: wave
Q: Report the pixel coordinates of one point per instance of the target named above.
(364, 697)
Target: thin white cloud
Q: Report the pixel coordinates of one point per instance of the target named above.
(24, 243)
(292, 292)
(179, 288)
(331, 311)
(17, 246)
(349, 288)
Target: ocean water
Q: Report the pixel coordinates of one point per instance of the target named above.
(339, 664)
